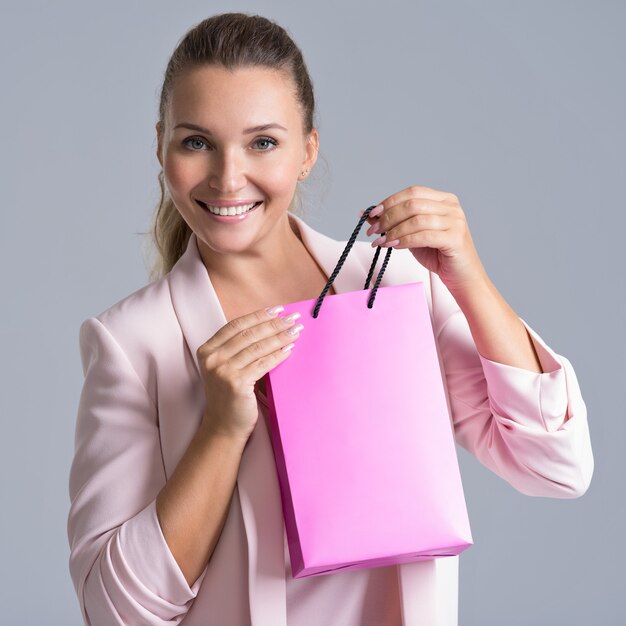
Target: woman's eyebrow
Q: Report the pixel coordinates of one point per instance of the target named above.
(247, 131)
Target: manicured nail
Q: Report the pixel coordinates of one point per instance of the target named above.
(373, 229)
(377, 210)
(390, 244)
(275, 310)
(289, 319)
(379, 241)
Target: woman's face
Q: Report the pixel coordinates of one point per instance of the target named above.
(222, 160)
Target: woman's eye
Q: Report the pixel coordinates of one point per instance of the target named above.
(273, 142)
(187, 142)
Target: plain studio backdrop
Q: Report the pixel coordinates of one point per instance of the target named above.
(518, 108)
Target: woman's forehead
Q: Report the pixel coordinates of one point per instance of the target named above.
(254, 94)
(210, 80)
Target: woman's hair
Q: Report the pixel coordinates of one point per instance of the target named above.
(229, 40)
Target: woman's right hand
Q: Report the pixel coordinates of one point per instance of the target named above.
(233, 360)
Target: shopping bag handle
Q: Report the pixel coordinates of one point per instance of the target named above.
(342, 258)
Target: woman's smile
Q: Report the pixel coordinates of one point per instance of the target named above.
(229, 215)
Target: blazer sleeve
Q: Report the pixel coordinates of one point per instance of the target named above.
(529, 428)
(121, 566)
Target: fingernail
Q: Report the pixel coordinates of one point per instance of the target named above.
(375, 228)
(379, 241)
(377, 210)
(295, 330)
(289, 319)
(275, 310)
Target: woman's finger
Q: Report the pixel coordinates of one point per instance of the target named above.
(235, 326)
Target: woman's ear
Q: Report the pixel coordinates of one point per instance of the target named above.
(159, 142)
(311, 150)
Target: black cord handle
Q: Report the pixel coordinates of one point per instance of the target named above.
(342, 258)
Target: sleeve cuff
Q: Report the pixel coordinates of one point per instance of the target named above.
(531, 399)
(148, 557)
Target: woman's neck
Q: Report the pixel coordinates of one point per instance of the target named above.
(272, 257)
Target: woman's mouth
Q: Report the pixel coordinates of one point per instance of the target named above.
(229, 214)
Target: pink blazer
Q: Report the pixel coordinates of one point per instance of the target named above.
(142, 401)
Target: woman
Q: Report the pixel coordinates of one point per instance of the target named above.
(175, 510)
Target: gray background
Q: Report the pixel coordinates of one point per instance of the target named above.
(518, 108)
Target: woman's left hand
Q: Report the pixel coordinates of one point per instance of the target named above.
(432, 225)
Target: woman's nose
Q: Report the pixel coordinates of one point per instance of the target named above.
(227, 172)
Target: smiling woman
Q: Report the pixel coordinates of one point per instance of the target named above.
(175, 513)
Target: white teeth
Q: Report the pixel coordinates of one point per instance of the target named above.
(232, 210)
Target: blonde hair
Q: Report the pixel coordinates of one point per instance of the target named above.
(230, 40)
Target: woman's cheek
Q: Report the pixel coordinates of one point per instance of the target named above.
(178, 174)
(280, 180)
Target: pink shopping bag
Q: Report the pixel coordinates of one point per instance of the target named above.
(361, 433)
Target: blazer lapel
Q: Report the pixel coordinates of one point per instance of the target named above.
(200, 315)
